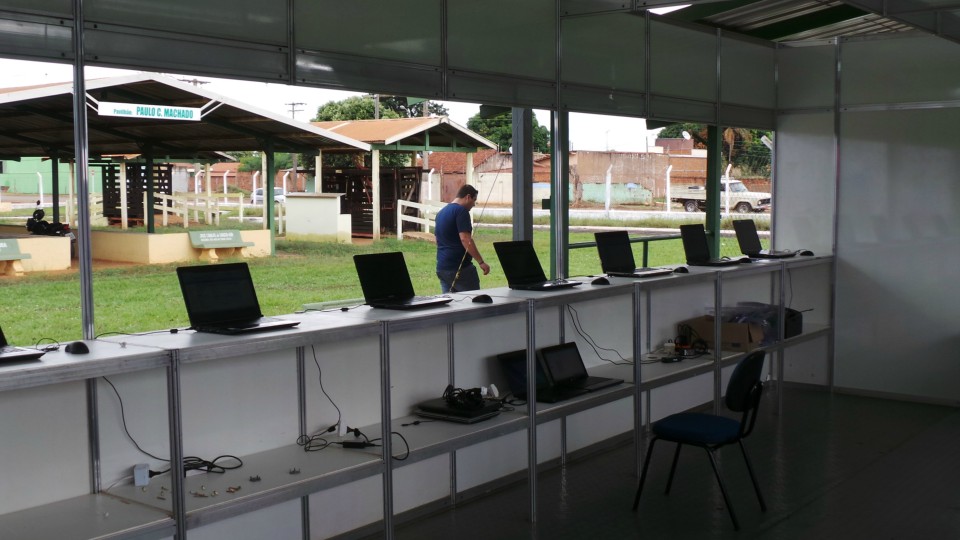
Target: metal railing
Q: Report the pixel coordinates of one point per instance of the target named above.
(645, 240)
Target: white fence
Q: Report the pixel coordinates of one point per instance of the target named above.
(210, 206)
(427, 212)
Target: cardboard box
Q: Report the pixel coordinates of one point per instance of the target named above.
(733, 336)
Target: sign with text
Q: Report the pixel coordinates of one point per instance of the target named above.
(139, 110)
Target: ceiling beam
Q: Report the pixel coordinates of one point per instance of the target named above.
(803, 23)
(698, 12)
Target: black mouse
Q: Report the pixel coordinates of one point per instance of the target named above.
(805, 252)
(745, 260)
(600, 281)
(77, 347)
(681, 270)
(483, 299)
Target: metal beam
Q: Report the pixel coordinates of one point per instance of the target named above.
(704, 10)
(803, 23)
(714, 171)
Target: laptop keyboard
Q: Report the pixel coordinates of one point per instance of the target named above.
(9, 349)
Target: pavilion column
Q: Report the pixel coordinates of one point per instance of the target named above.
(469, 170)
(375, 189)
(318, 167)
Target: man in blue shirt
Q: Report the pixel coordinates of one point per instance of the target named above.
(455, 247)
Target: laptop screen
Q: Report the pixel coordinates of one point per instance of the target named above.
(615, 252)
(563, 363)
(514, 365)
(3, 340)
(695, 245)
(747, 236)
(218, 293)
(383, 276)
(520, 263)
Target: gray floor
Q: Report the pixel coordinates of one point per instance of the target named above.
(831, 467)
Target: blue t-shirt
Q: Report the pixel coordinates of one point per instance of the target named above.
(452, 220)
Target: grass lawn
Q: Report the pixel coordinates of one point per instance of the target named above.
(127, 299)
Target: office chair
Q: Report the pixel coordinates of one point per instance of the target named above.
(711, 432)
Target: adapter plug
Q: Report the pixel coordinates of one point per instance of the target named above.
(141, 474)
(355, 444)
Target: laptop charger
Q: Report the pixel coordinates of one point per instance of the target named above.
(141, 474)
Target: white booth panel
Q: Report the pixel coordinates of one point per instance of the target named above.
(804, 193)
(408, 31)
(604, 50)
(606, 323)
(344, 508)
(896, 326)
(477, 344)
(418, 368)
(277, 522)
(672, 305)
(239, 405)
(682, 110)
(496, 36)
(355, 73)
(806, 77)
(510, 91)
(44, 443)
(351, 379)
(260, 21)
(808, 362)
(419, 483)
(683, 62)
(681, 396)
(144, 397)
(888, 71)
(599, 423)
(747, 73)
(487, 461)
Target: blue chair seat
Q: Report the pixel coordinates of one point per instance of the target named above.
(697, 428)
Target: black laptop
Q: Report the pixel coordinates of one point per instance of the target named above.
(220, 299)
(522, 268)
(386, 282)
(697, 250)
(749, 242)
(514, 366)
(439, 409)
(566, 372)
(616, 256)
(12, 353)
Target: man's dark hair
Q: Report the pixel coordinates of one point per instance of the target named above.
(466, 190)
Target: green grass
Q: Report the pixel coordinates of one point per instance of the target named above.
(131, 299)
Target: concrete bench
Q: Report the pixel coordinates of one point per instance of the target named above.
(208, 242)
(10, 257)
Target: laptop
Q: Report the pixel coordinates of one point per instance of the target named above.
(439, 409)
(514, 366)
(566, 372)
(616, 256)
(386, 283)
(696, 248)
(749, 242)
(12, 353)
(220, 299)
(522, 268)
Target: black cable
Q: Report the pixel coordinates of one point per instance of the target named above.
(322, 389)
(190, 463)
(575, 318)
(123, 419)
(53, 346)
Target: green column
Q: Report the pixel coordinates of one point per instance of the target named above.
(714, 172)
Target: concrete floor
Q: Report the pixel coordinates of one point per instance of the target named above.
(838, 466)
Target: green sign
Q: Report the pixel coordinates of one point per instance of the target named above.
(139, 110)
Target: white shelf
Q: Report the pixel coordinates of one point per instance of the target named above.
(98, 517)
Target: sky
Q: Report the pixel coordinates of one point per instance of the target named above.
(587, 132)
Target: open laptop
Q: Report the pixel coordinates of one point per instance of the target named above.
(566, 372)
(386, 282)
(514, 366)
(522, 268)
(439, 409)
(749, 242)
(696, 248)
(616, 256)
(220, 299)
(12, 353)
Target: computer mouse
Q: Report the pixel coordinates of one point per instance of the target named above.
(77, 347)
(746, 260)
(600, 281)
(681, 270)
(805, 252)
(483, 299)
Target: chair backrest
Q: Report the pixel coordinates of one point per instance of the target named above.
(743, 390)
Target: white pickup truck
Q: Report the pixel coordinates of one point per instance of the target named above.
(741, 200)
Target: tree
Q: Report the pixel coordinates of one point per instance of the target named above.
(499, 129)
(251, 161)
(403, 107)
(741, 146)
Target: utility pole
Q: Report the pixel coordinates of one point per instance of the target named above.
(293, 114)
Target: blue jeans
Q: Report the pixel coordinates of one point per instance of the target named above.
(469, 279)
